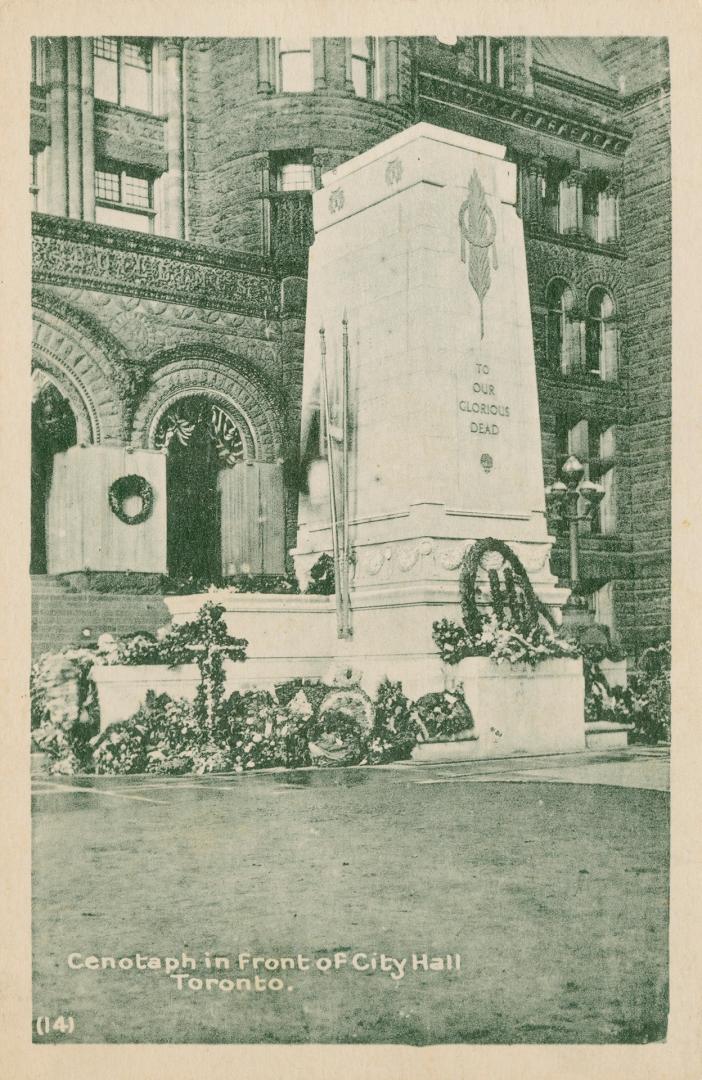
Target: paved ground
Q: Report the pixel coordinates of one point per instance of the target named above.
(547, 876)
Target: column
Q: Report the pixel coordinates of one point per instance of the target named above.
(348, 66)
(73, 117)
(87, 105)
(319, 63)
(174, 178)
(264, 165)
(58, 180)
(532, 173)
(265, 60)
(528, 60)
(575, 183)
(392, 70)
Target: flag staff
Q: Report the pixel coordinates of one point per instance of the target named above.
(346, 543)
(340, 628)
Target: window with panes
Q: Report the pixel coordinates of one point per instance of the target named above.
(492, 60)
(123, 71)
(562, 329)
(124, 200)
(601, 334)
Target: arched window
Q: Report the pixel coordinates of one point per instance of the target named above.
(562, 331)
(602, 334)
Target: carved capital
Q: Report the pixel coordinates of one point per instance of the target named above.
(172, 47)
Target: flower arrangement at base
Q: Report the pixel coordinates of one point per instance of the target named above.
(396, 726)
(340, 732)
(645, 703)
(509, 623)
(444, 715)
(500, 642)
(204, 641)
(64, 711)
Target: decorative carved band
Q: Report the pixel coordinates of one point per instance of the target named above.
(98, 257)
(502, 105)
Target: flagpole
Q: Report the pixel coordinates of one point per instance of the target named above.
(332, 486)
(346, 546)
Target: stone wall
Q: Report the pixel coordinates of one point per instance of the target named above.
(647, 224)
(59, 616)
(233, 125)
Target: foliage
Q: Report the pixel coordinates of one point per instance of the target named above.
(451, 640)
(111, 581)
(444, 714)
(163, 736)
(64, 712)
(501, 642)
(241, 583)
(322, 577)
(204, 641)
(395, 728)
(645, 702)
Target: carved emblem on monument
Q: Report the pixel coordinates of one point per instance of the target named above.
(393, 172)
(486, 462)
(478, 229)
(336, 200)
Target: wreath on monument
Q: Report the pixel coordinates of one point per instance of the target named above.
(505, 620)
(129, 487)
(513, 599)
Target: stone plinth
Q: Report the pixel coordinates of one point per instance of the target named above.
(517, 710)
(603, 735)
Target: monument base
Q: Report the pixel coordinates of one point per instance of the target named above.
(516, 709)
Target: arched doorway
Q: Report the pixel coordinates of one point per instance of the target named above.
(53, 430)
(201, 439)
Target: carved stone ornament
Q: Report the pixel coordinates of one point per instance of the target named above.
(478, 229)
(336, 200)
(80, 255)
(393, 172)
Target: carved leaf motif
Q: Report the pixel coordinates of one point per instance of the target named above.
(478, 229)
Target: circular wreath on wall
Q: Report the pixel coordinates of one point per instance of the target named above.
(131, 487)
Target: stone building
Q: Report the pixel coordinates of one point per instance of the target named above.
(171, 194)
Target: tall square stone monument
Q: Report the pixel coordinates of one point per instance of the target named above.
(419, 247)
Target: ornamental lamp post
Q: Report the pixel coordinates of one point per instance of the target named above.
(565, 496)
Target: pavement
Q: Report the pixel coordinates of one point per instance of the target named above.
(644, 767)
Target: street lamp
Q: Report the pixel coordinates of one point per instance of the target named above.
(565, 495)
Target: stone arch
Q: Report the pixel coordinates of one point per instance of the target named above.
(82, 370)
(608, 279)
(241, 394)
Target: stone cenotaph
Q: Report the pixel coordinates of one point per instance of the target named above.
(420, 251)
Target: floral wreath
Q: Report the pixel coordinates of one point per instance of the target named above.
(127, 487)
(472, 618)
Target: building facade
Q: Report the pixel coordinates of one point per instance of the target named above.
(171, 186)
